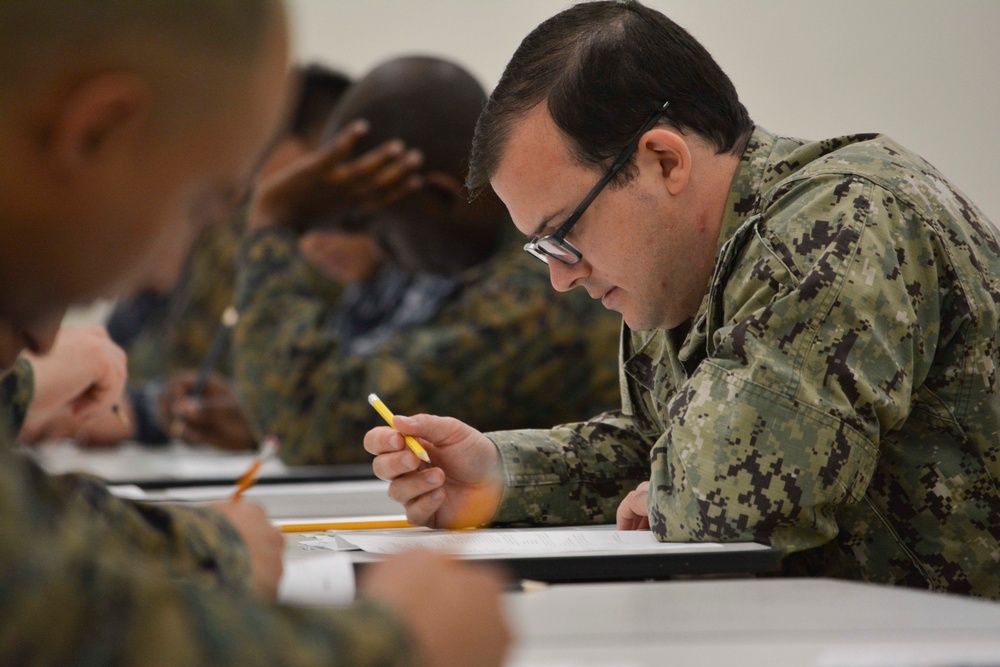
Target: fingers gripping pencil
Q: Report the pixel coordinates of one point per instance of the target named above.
(387, 415)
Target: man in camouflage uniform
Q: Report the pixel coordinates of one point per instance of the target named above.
(204, 290)
(115, 117)
(177, 339)
(811, 342)
(468, 325)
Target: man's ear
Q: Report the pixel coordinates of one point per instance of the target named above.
(94, 115)
(672, 156)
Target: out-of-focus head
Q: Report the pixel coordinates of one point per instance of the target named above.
(118, 120)
(432, 106)
(319, 88)
(344, 257)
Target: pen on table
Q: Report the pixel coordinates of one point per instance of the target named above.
(387, 415)
(211, 360)
(267, 449)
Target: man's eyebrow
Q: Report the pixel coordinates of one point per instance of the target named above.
(544, 223)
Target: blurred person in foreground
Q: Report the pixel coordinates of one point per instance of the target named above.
(116, 120)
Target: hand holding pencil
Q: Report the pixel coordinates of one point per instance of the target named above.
(220, 340)
(214, 418)
(387, 415)
(463, 485)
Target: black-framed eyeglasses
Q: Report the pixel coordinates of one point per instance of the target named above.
(555, 244)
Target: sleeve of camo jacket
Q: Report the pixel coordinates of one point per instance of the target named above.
(75, 592)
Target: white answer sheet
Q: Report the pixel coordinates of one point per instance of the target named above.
(502, 542)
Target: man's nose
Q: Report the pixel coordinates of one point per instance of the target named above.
(565, 277)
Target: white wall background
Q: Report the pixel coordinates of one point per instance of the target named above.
(926, 72)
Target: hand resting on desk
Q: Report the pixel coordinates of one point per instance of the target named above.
(633, 513)
(461, 487)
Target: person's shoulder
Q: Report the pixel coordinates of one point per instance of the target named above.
(896, 174)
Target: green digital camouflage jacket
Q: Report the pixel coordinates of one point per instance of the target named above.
(836, 395)
(503, 349)
(90, 579)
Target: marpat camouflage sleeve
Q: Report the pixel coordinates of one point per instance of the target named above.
(78, 589)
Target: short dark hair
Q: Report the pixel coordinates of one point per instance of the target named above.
(320, 88)
(603, 68)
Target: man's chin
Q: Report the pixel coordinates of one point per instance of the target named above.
(638, 321)
(635, 324)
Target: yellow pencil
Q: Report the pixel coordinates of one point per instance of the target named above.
(267, 450)
(375, 524)
(387, 415)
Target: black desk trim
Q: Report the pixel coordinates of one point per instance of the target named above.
(294, 474)
(581, 568)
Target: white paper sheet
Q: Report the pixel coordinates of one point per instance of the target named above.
(504, 542)
(323, 579)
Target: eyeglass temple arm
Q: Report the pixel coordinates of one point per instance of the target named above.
(623, 158)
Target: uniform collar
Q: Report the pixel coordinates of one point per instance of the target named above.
(744, 200)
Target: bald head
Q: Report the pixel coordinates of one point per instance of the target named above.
(178, 45)
(431, 104)
(118, 120)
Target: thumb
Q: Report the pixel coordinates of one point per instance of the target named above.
(419, 426)
(437, 431)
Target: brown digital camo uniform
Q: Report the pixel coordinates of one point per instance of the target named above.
(837, 394)
(164, 585)
(503, 350)
(205, 290)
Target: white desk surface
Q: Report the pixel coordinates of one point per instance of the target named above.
(751, 622)
(746, 622)
(300, 501)
(177, 464)
(136, 461)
